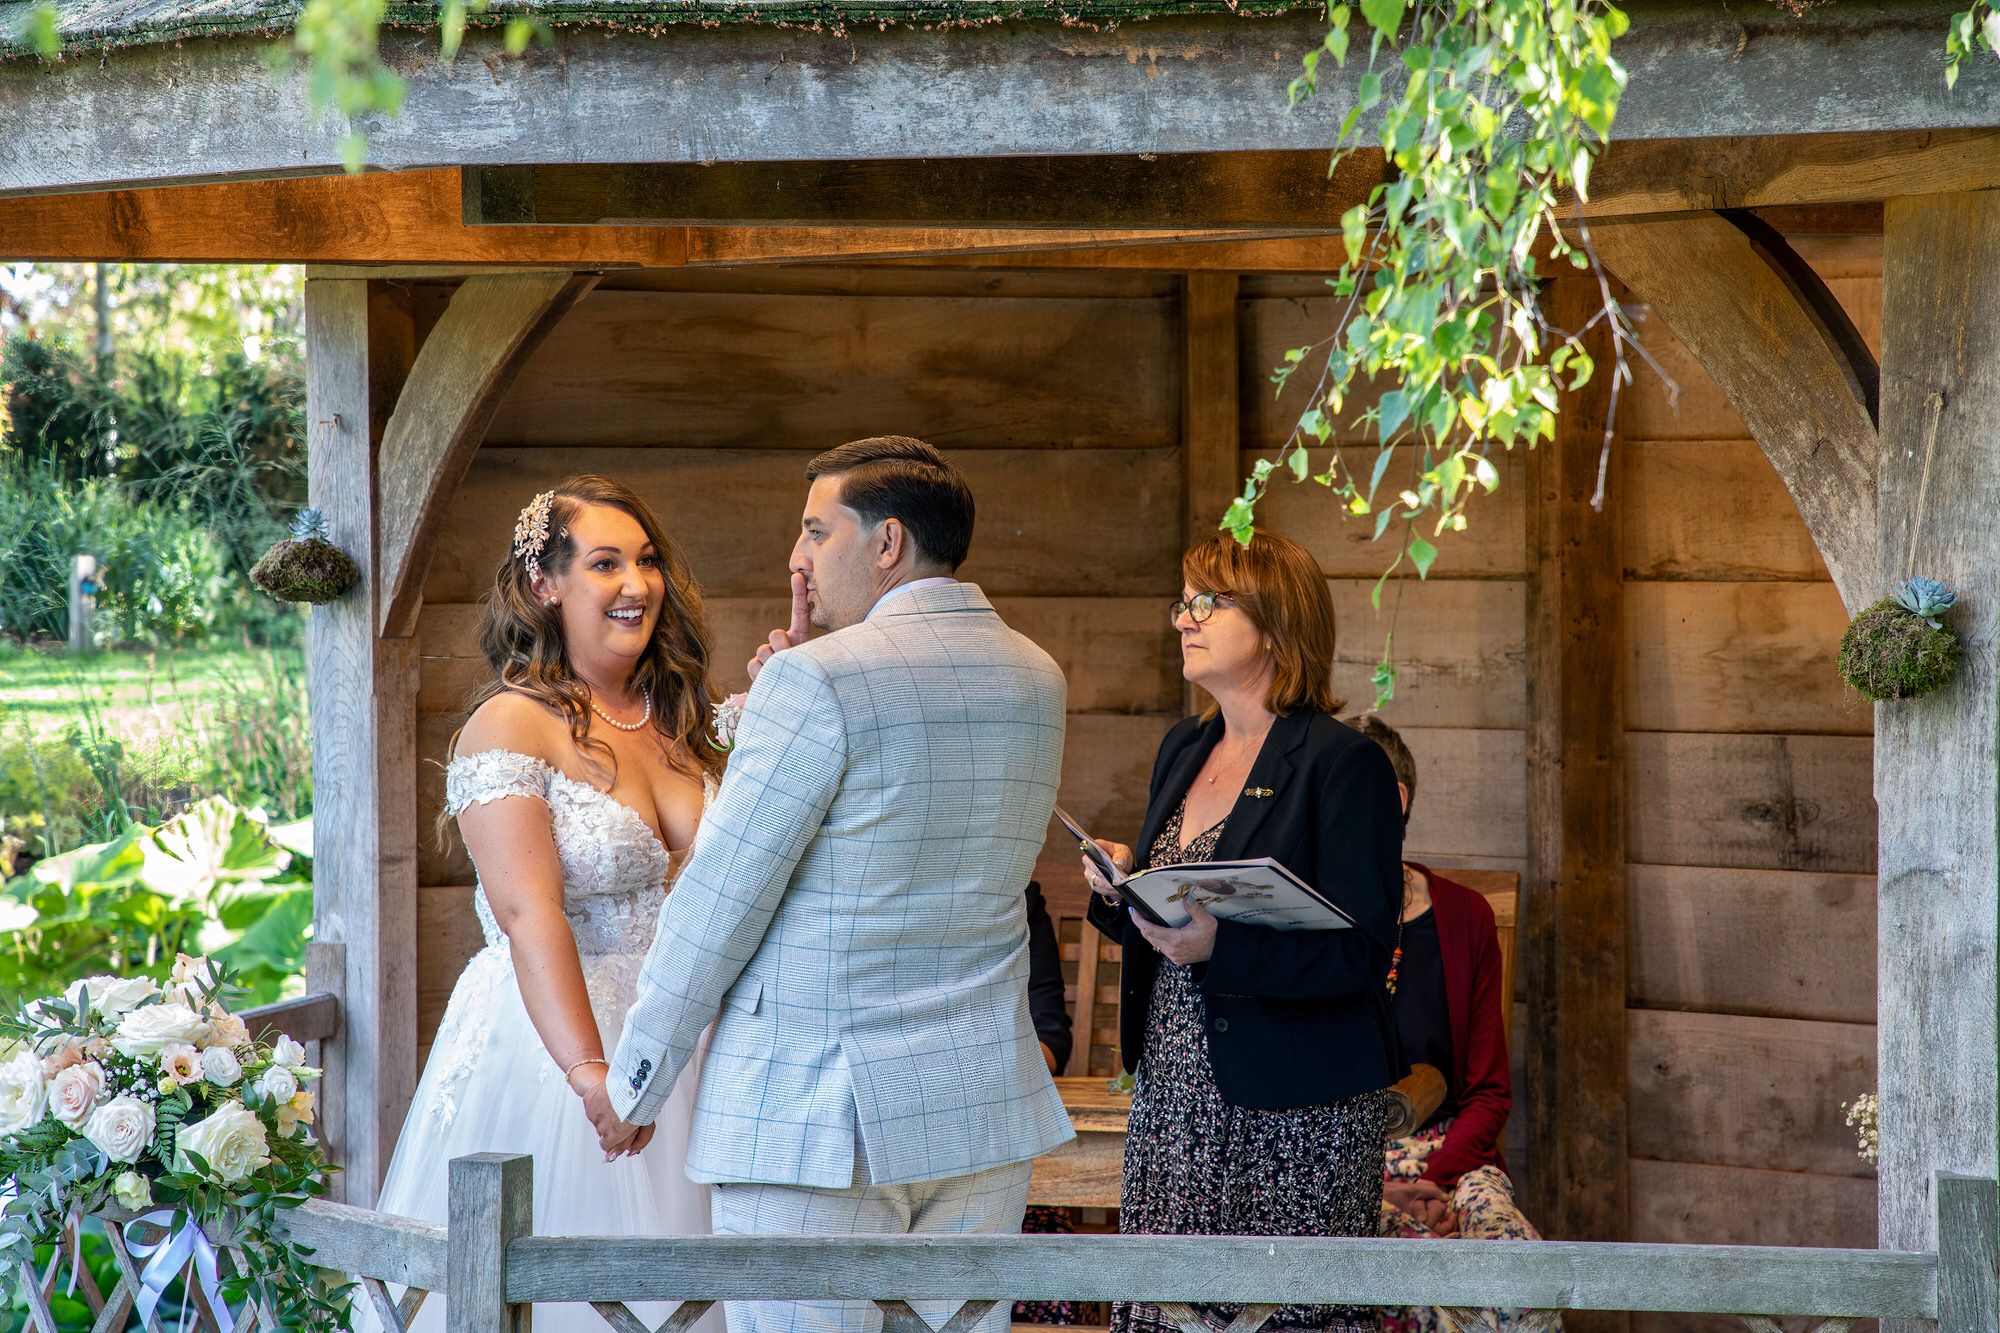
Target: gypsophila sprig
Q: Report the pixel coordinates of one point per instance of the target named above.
(122, 1095)
(1864, 1113)
(1489, 112)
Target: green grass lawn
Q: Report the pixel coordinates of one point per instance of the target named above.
(139, 697)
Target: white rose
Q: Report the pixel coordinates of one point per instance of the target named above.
(74, 1093)
(288, 1053)
(147, 1032)
(24, 1098)
(277, 1086)
(192, 969)
(220, 1066)
(122, 1127)
(231, 1141)
(132, 1190)
(180, 1062)
(1991, 28)
(112, 996)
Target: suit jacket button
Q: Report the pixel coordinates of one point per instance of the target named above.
(1222, 1025)
(639, 1077)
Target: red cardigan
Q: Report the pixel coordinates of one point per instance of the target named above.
(1469, 945)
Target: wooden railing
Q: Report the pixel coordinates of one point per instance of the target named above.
(489, 1264)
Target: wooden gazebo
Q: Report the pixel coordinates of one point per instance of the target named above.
(689, 244)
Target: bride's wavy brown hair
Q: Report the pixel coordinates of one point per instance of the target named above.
(523, 641)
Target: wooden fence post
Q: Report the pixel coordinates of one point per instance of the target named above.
(1968, 1237)
(492, 1202)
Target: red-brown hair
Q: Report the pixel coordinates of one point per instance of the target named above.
(1278, 584)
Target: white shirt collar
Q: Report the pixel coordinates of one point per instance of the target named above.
(935, 581)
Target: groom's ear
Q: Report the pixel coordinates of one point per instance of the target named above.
(891, 540)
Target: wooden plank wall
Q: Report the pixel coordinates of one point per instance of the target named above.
(1751, 830)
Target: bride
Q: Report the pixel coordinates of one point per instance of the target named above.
(577, 783)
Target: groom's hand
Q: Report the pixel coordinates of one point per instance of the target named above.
(790, 637)
(614, 1135)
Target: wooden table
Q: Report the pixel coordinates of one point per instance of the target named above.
(1084, 1173)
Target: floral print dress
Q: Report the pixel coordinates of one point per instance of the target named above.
(1195, 1165)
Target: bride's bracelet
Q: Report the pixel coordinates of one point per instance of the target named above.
(592, 1060)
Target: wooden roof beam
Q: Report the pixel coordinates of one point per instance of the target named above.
(1254, 192)
(217, 109)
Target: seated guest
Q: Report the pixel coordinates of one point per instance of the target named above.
(1448, 1179)
(1232, 1132)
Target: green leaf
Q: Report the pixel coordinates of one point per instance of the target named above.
(43, 35)
(1422, 553)
(1395, 410)
(1385, 16)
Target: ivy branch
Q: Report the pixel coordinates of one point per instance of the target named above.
(1489, 113)
(1974, 29)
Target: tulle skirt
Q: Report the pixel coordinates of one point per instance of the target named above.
(489, 1086)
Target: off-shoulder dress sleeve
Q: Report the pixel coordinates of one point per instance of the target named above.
(493, 775)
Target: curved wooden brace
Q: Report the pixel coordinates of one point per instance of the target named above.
(460, 374)
(1788, 358)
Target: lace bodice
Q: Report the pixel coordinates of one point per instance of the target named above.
(615, 871)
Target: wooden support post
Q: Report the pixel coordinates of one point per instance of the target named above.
(1573, 904)
(1211, 466)
(1968, 1232)
(1937, 786)
(492, 1203)
(360, 341)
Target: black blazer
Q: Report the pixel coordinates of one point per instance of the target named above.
(1299, 1017)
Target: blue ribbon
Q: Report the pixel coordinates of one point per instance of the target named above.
(167, 1258)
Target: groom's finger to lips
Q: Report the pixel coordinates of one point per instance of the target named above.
(800, 625)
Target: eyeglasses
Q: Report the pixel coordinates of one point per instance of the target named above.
(1199, 607)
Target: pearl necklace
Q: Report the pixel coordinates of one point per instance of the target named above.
(644, 717)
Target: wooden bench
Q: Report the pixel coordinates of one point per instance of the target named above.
(1085, 1173)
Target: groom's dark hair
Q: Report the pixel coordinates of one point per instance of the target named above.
(896, 476)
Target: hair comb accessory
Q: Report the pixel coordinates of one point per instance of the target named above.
(531, 532)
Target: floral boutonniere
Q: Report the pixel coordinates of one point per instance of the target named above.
(728, 714)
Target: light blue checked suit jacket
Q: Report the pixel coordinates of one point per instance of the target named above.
(853, 907)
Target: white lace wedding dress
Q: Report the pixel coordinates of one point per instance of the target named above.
(489, 1085)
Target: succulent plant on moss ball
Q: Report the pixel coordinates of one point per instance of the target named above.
(306, 567)
(1893, 651)
(1925, 597)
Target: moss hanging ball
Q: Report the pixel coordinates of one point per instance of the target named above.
(1899, 648)
(307, 567)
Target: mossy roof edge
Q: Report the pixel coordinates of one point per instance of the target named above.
(96, 26)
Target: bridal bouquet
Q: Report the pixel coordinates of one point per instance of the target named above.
(121, 1093)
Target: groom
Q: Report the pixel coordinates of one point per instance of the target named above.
(853, 904)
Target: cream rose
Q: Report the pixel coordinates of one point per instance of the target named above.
(277, 1085)
(298, 1111)
(112, 996)
(122, 1127)
(288, 1054)
(231, 1141)
(220, 1066)
(75, 1092)
(226, 1029)
(132, 1190)
(147, 1032)
(180, 1062)
(24, 1098)
(62, 1057)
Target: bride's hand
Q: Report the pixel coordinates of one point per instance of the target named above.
(791, 636)
(614, 1135)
